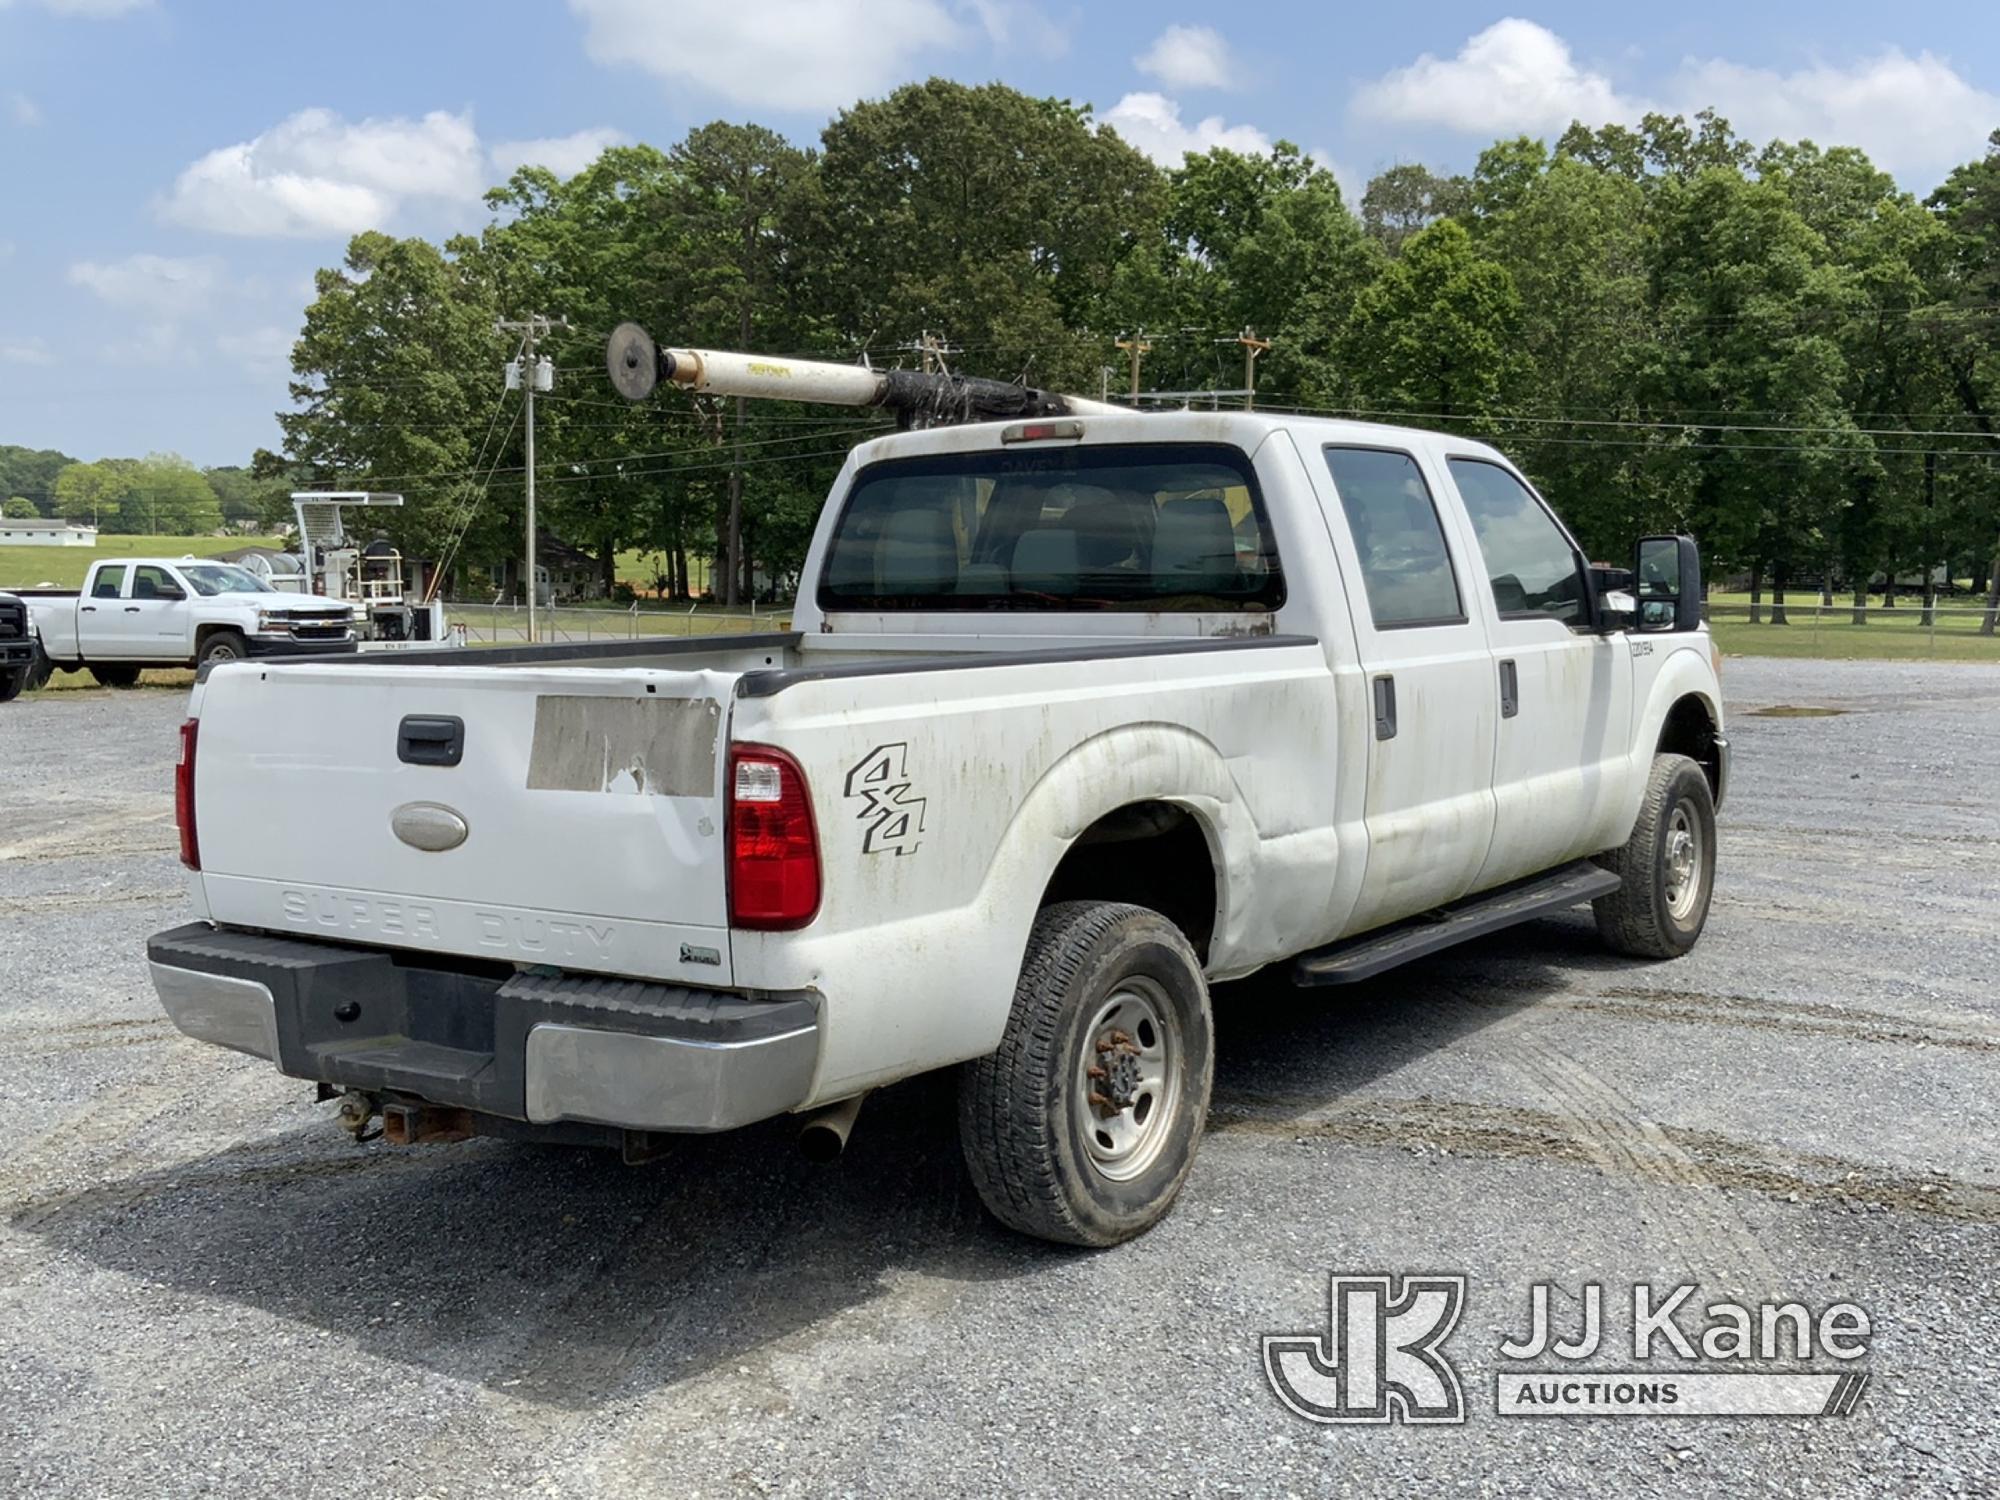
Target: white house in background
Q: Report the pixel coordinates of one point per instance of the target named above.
(45, 534)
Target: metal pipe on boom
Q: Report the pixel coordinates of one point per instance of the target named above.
(918, 398)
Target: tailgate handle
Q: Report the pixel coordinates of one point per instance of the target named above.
(430, 740)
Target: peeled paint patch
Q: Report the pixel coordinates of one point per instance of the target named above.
(658, 747)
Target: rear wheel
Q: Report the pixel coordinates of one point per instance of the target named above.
(1668, 866)
(223, 645)
(1083, 1126)
(116, 676)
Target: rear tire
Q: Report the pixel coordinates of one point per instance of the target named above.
(223, 645)
(116, 676)
(1668, 866)
(1083, 1126)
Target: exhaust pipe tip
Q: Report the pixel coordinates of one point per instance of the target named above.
(824, 1134)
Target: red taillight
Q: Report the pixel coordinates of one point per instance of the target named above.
(184, 796)
(773, 851)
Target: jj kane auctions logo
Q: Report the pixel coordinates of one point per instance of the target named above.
(1382, 1357)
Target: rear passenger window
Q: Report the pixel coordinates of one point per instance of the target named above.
(109, 582)
(1397, 537)
(1530, 562)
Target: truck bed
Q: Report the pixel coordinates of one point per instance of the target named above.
(558, 805)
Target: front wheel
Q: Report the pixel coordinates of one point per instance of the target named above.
(223, 645)
(13, 684)
(1083, 1126)
(1668, 865)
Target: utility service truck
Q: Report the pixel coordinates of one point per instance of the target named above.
(138, 612)
(1081, 711)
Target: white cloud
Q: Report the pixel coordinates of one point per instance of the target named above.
(777, 54)
(1913, 115)
(1513, 76)
(1189, 57)
(564, 155)
(262, 351)
(23, 110)
(88, 10)
(25, 351)
(1152, 123)
(160, 287)
(317, 174)
(1015, 26)
(158, 293)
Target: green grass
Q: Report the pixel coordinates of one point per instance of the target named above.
(64, 567)
(638, 566)
(1830, 632)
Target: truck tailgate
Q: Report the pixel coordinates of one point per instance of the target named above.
(577, 821)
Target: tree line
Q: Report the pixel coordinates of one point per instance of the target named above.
(161, 494)
(1774, 347)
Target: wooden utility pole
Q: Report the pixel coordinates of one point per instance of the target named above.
(1135, 346)
(1252, 347)
(531, 374)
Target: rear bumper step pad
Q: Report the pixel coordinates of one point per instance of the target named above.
(528, 1047)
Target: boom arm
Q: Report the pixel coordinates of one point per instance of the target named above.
(918, 399)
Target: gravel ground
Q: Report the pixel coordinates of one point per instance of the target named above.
(206, 1288)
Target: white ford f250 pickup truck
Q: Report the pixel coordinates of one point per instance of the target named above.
(1078, 715)
(140, 612)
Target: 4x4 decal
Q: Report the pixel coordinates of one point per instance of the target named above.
(893, 813)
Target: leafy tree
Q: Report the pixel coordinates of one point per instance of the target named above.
(31, 472)
(1748, 361)
(1404, 199)
(1572, 238)
(19, 508)
(396, 379)
(1436, 335)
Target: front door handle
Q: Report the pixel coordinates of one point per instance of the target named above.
(1510, 690)
(1385, 707)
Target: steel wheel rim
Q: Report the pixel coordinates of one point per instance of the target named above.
(1127, 1086)
(1683, 859)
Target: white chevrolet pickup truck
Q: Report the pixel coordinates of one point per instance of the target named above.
(1077, 717)
(138, 612)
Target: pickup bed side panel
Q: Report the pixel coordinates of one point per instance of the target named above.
(948, 799)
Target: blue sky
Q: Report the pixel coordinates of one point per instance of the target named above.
(172, 171)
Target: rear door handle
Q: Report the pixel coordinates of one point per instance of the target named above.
(88, 609)
(1385, 707)
(131, 609)
(1510, 690)
(430, 740)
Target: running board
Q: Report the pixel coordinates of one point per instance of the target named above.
(1365, 957)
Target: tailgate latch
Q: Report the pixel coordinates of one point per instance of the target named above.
(430, 740)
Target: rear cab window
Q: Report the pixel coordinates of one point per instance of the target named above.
(1398, 538)
(109, 582)
(1174, 527)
